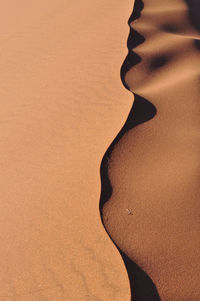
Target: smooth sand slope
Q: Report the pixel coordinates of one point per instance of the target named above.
(154, 169)
(62, 102)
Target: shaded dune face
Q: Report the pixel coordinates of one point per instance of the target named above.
(170, 31)
(150, 174)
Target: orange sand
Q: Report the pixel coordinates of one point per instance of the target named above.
(62, 102)
(154, 169)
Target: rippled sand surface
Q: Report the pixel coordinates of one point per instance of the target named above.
(154, 169)
(62, 102)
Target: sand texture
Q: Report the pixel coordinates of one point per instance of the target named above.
(62, 102)
(152, 213)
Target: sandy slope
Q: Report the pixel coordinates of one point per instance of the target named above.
(154, 169)
(62, 103)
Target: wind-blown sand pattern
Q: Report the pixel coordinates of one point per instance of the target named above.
(150, 173)
(62, 102)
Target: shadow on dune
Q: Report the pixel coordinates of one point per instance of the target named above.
(194, 14)
(134, 39)
(142, 287)
(141, 111)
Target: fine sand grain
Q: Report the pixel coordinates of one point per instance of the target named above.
(154, 168)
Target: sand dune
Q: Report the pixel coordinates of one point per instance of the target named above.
(62, 102)
(154, 167)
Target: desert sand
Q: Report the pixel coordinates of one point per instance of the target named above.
(62, 103)
(153, 212)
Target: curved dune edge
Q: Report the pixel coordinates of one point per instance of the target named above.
(150, 193)
(61, 103)
(142, 287)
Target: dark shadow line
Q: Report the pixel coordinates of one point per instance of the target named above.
(134, 39)
(194, 14)
(141, 286)
(141, 111)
